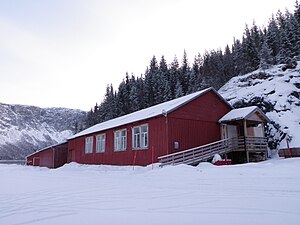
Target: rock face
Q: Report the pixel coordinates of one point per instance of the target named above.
(24, 129)
(277, 92)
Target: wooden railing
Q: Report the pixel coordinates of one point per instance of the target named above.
(199, 154)
(256, 144)
(204, 152)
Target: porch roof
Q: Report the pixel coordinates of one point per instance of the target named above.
(244, 114)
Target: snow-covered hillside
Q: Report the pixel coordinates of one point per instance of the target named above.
(277, 92)
(24, 129)
(265, 193)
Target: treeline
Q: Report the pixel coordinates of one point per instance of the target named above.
(278, 42)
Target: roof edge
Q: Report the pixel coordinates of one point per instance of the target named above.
(200, 94)
(256, 109)
(50, 146)
(261, 112)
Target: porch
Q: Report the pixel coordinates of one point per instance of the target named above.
(206, 152)
(247, 126)
(242, 132)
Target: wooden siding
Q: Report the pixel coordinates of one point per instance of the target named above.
(196, 123)
(192, 133)
(255, 117)
(193, 124)
(52, 157)
(61, 155)
(47, 158)
(156, 146)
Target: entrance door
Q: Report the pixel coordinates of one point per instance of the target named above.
(71, 157)
(36, 161)
(229, 131)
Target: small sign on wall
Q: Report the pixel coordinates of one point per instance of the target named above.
(176, 145)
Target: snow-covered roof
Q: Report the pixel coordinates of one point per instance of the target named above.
(156, 110)
(43, 149)
(242, 113)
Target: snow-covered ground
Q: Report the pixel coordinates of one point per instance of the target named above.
(262, 193)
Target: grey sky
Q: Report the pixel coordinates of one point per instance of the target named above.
(63, 53)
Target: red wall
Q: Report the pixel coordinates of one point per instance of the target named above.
(193, 124)
(61, 155)
(30, 159)
(46, 158)
(156, 147)
(51, 157)
(196, 123)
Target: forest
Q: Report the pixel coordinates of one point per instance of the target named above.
(259, 48)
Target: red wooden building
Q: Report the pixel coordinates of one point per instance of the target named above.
(141, 137)
(52, 157)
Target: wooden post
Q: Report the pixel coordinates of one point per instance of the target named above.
(134, 159)
(224, 134)
(152, 155)
(288, 147)
(245, 140)
(53, 155)
(262, 142)
(165, 113)
(263, 128)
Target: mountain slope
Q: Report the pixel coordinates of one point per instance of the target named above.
(277, 92)
(24, 129)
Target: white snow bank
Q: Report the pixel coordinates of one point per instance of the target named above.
(263, 193)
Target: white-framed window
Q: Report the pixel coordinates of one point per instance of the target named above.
(140, 137)
(88, 145)
(120, 140)
(100, 143)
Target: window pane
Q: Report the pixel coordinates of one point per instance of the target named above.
(140, 136)
(144, 140)
(100, 143)
(144, 128)
(117, 140)
(120, 140)
(123, 140)
(88, 145)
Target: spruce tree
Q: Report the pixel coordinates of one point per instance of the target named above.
(184, 74)
(249, 51)
(273, 39)
(179, 91)
(194, 74)
(174, 76)
(162, 81)
(198, 63)
(151, 83)
(133, 95)
(122, 99)
(229, 66)
(265, 56)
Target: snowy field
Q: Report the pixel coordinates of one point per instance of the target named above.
(263, 193)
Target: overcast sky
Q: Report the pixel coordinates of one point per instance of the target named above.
(63, 53)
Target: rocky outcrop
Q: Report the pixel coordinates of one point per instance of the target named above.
(277, 92)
